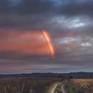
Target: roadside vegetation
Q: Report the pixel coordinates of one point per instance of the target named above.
(41, 85)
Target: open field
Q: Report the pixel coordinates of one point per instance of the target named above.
(44, 84)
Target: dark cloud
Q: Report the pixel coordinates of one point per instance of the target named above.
(69, 7)
(62, 21)
(77, 8)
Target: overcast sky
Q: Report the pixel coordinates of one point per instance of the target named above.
(69, 24)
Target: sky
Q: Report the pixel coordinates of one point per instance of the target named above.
(57, 38)
(14, 2)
